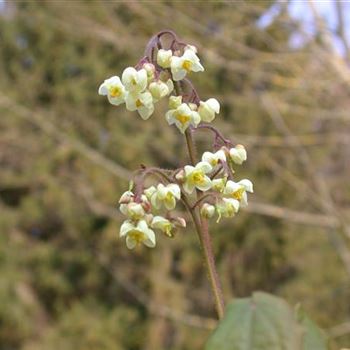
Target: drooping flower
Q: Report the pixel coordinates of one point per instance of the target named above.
(163, 224)
(238, 154)
(114, 90)
(166, 195)
(134, 80)
(142, 102)
(188, 62)
(238, 190)
(136, 234)
(163, 58)
(183, 117)
(208, 109)
(207, 210)
(214, 158)
(195, 177)
(227, 207)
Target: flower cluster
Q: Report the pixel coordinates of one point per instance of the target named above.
(141, 212)
(163, 72)
(212, 174)
(140, 88)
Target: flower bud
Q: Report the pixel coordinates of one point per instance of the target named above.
(179, 222)
(175, 101)
(163, 58)
(191, 47)
(207, 210)
(150, 69)
(133, 210)
(238, 154)
(180, 176)
(126, 197)
(158, 89)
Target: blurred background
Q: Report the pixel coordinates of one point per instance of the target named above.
(281, 72)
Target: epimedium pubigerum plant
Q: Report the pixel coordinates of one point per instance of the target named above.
(206, 186)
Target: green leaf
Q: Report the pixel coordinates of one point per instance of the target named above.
(264, 322)
(314, 338)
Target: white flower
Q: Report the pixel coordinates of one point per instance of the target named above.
(238, 190)
(135, 235)
(227, 207)
(219, 184)
(182, 117)
(166, 195)
(238, 154)
(188, 62)
(195, 177)
(207, 210)
(214, 158)
(158, 89)
(149, 192)
(114, 90)
(133, 80)
(208, 109)
(142, 102)
(163, 224)
(163, 58)
(134, 211)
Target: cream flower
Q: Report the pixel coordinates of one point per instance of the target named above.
(136, 234)
(238, 154)
(163, 58)
(175, 101)
(188, 62)
(195, 177)
(150, 69)
(142, 102)
(182, 117)
(133, 80)
(207, 210)
(132, 210)
(114, 90)
(219, 184)
(208, 109)
(159, 89)
(238, 190)
(166, 195)
(214, 158)
(163, 224)
(227, 207)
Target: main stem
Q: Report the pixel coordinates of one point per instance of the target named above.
(201, 225)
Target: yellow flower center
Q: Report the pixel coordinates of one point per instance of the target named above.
(198, 177)
(187, 65)
(137, 236)
(238, 194)
(182, 118)
(115, 91)
(138, 103)
(133, 81)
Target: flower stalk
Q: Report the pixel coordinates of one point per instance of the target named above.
(206, 186)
